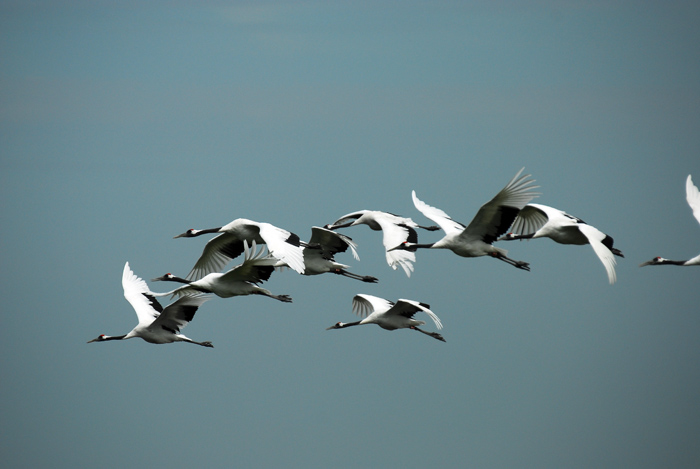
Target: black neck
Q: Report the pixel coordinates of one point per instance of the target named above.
(177, 279)
(349, 324)
(116, 337)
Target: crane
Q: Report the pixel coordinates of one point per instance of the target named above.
(395, 229)
(156, 325)
(241, 280)
(542, 221)
(389, 315)
(491, 221)
(281, 243)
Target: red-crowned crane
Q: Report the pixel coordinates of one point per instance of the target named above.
(541, 221)
(156, 325)
(389, 315)
(282, 244)
(241, 280)
(491, 221)
(395, 230)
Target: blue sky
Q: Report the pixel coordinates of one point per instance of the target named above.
(123, 125)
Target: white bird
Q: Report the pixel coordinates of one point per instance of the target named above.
(692, 195)
(156, 325)
(241, 280)
(541, 221)
(395, 230)
(491, 221)
(389, 315)
(319, 254)
(282, 244)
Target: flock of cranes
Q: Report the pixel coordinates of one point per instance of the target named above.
(507, 216)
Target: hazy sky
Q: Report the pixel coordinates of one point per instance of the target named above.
(123, 125)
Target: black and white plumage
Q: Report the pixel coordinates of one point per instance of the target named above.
(241, 280)
(389, 315)
(542, 221)
(319, 254)
(156, 325)
(692, 195)
(281, 243)
(491, 221)
(395, 230)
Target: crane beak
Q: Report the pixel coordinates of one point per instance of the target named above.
(645, 263)
(180, 235)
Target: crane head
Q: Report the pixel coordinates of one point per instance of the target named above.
(187, 234)
(99, 338)
(337, 325)
(507, 237)
(163, 278)
(405, 246)
(655, 261)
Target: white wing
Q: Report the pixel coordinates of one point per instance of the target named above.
(409, 307)
(392, 236)
(495, 217)
(447, 224)
(595, 238)
(363, 305)
(530, 219)
(692, 195)
(137, 293)
(283, 245)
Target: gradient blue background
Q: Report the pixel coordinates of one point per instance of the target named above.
(122, 125)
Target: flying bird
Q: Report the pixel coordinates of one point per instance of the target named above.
(395, 230)
(282, 244)
(389, 315)
(319, 254)
(692, 195)
(156, 325)
(241, 280)
(541, 221)
(491, 221)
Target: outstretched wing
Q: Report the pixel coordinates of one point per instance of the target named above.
(331, 242)
(394, 234)
(530, 219)
(256, 268)
(408, 308)
(137, 293)
(495, 216)
(447, 224)
(363, 305)
(595, 238)
(283, 245)
(216, 254)
(177, 315)
(692, 195)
